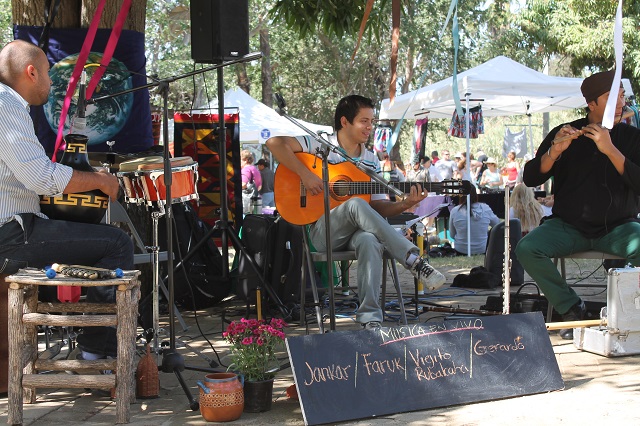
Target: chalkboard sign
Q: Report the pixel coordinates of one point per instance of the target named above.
(354, 374)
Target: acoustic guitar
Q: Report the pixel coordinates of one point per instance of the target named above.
(298, 207)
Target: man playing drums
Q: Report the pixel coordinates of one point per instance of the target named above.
(27, 237)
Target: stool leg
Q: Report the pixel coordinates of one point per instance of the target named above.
(16, 345)
(383, 299)
(126, 348)
(314, 291)
(396, 281)
(30, 339)
(314, 287)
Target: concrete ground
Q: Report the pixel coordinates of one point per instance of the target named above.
(597, 389)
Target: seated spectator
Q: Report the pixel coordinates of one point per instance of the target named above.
(491, 177)
(523, 206)
(547, 205)
(481, 219)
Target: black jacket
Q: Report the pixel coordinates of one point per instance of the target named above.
(589, 192)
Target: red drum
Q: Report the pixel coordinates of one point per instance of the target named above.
(142, 180)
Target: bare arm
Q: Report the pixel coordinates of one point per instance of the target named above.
(88, 181)
(284, 149)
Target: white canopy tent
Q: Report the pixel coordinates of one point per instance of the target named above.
(503, 87)
(259, 122)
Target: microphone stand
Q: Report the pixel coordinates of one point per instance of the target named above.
(172, 361)
(324, 152)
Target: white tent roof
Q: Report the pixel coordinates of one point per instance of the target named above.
(258, 122)
(501, 85)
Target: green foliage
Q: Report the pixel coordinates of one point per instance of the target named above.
(335, 17)
(582, 31)
(6, 26)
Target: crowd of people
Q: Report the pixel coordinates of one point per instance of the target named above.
(484, 172)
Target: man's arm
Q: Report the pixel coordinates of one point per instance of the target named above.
(284, 149)
(88, 181)
(388, 208)
(538, 170)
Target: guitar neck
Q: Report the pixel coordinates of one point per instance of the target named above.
(377, 188)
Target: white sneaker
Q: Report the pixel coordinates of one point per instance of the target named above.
(425, 273)
(372, 325)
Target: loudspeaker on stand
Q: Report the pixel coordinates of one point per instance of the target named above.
(219, 30)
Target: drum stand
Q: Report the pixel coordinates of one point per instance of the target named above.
(155, 249)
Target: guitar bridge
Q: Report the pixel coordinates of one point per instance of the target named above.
(303, 196)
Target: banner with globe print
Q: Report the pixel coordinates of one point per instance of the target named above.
(124, 119)
(196, 135)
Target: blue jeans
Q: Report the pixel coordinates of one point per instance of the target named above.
(43, 242)
(355, 225)
(267, 199)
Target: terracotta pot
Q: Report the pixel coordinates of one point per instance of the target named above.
(224, 401)
(87, 207)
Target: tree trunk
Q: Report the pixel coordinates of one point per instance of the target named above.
(265, 48)
(243, 78)
(78, 13)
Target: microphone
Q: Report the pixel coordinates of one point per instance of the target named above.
(80, 122)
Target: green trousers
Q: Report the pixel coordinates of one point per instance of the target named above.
(556, 238)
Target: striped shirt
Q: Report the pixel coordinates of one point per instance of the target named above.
(25, 170)
(367, 157)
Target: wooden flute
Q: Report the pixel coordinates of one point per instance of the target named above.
(580, 132)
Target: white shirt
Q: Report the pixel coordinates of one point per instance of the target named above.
(446, 168)
(25, 170)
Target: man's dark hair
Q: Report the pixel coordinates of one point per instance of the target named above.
(348, 107)
(434, 153)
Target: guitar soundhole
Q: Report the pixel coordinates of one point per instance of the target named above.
(340, 187)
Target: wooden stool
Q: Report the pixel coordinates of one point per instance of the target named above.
(25, 313)
(4, 337)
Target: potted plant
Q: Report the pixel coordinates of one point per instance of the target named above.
(253, 354)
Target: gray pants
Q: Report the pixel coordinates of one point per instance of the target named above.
(355, 225)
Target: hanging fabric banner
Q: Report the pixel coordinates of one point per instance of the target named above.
(381, 138)
(458, 125)
(419, 139)
(516, 142)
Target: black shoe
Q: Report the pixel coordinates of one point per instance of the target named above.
(576, 313)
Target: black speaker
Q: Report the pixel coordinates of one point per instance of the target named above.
(219, 30)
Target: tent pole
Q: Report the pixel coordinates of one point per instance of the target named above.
(468, 165)
(530, 131)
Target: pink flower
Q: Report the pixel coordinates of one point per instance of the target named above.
(247, 340)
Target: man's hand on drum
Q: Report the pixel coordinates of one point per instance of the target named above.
(109, 184)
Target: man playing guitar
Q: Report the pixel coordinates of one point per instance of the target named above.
(357, 224)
